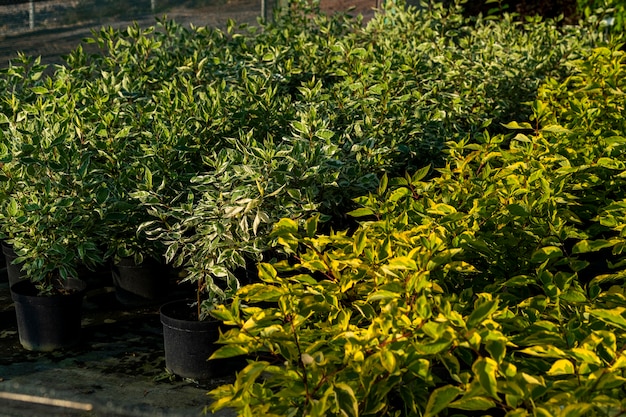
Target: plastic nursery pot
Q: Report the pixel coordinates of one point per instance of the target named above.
(47, 323)
(189, 343)
(14, 272)
(139, 285)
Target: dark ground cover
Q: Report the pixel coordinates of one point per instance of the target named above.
(118, 368)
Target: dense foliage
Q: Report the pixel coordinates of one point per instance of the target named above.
(221, 133)
(470, 292)
(487, 281)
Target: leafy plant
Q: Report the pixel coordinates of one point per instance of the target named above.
(469, 291)
(53, 209)
(610, 15)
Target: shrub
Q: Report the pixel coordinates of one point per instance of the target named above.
(318, 107)
(461, 293)
(207, 137)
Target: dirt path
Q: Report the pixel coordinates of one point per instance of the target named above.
(51, 44)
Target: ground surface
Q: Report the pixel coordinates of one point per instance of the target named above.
(118, 369)
(53, 37)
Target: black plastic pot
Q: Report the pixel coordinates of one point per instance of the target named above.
(189, 343)
(47, 323)
(14, 272)
(139, 285)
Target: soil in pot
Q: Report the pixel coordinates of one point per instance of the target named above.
(189, 343)
(49, 322)
(139, 285)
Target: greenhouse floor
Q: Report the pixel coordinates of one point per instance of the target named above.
(117, 370)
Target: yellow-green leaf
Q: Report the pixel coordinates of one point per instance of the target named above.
(516, 125)
(485, 370)
(548, 252)
(346, 400)
(547, 351)
(575, 410)
(483, 307)
(361, 212)
(585, 246)
(561, 367)
(473, 403)
(613, 317)
(440, 398)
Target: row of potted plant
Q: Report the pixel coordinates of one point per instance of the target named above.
(186, 145)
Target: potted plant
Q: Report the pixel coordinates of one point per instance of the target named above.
(211, 255)
(53, 235)
(53, 209)
(112, 126)
(22, 74)
(216, 230)
(139, 273)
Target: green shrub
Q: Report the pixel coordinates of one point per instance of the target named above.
(610, 15)
(385, 95)
(468, 292)
(202, 138)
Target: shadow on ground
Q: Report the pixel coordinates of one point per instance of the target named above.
(118, 369)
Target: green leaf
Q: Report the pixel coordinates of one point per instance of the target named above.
(473, 403)
(518, 210)
(382, 295)
(267, 273)
(420, 174)
(300, 127)
(561, 367)
(384, 251)
(586, 246)
(547, 351)
(346, 400)
(440, 398)
(40, 90)
(585, 356)
(311, 226)
(485, 370)
(434, 347)
(325, 134)
(483, 307)
(286, 226)
(382, 186)
(441, 209)
(576, 410)
(402, 263)
(497, 349)
(360, 241)
(614, 317)
(229, 351)
(147, 178)
(398, 194)
(572, 295)
(555, 129)
(388, 360)
(515, 125)
(361, 212)
(543, 254)
(610, 163)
